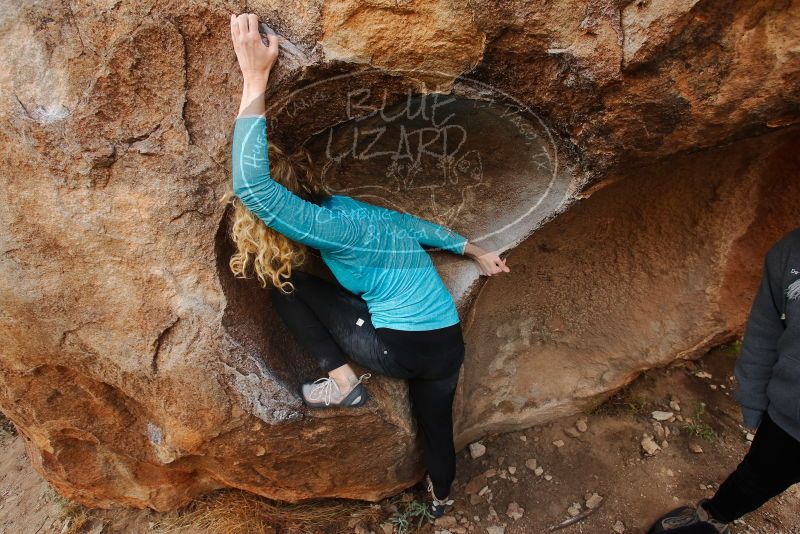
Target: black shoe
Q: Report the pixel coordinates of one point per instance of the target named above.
(438, 506)
(688, 519)
(674, 519)
(705, 517)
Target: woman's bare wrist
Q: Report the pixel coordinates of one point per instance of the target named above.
(253, 90)
(256, 80)
(473, 250)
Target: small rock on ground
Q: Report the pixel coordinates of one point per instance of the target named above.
(475, 484)
(515, 511)
(445, 522)
(593, 501)
(649, 446)
(477, 449)
(582, 425)
(574, 509)
(659, 431)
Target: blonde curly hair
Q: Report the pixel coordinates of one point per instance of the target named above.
(259, 248)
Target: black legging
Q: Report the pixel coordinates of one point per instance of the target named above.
(770, 467)
(329, 322)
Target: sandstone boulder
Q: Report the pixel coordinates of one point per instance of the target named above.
(638, 157)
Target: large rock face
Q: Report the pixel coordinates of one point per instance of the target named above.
(659, 265)
(638, 157)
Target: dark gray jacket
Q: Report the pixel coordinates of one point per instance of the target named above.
(768, 370)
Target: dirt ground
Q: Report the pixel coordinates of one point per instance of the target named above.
(605, 457)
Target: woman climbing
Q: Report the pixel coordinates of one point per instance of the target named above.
(392, 314)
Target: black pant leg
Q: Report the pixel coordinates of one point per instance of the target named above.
(437, 361)
(345, 319)
(307, 329)
(770, 466)
(432, 404)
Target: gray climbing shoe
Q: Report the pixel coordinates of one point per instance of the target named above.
(325, 393)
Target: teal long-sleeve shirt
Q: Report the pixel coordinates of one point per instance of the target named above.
(373, 252)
